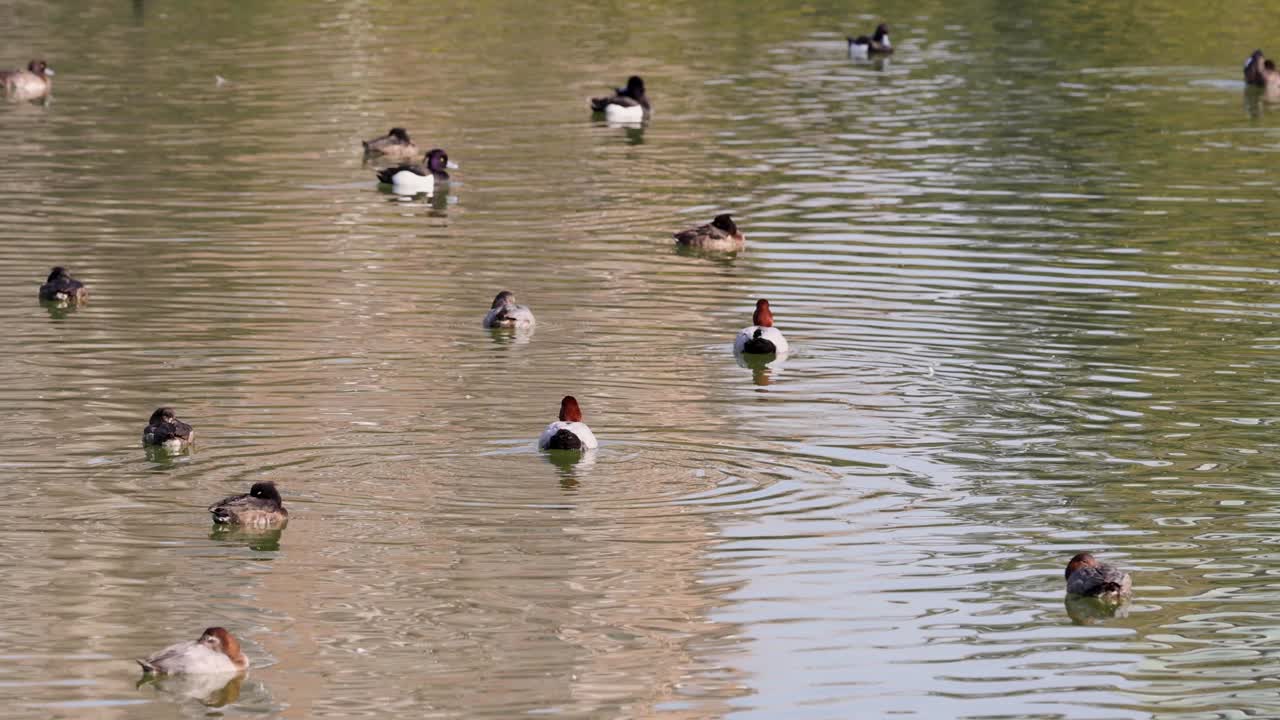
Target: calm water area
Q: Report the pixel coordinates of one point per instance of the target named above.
(1028, 269)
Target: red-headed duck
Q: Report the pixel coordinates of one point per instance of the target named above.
(167, 431)
(569, 432)
(626, 105)
(721, 234)
(34, 82)
(217, 651)
(61, 287)
(1089, 578)
(505, 313)
(761, 337)
(878, 44)
(261, 507)
(395, 145)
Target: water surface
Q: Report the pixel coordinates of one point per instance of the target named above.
(1026, 267)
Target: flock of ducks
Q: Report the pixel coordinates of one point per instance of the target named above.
(217, 650)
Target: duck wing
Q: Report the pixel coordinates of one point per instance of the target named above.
(159, 662)
(389, 173)
(694, 234)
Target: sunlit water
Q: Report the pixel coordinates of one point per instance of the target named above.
(1027, 269)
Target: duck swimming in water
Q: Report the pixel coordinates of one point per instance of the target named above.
(569, 432)
(395, 144)
(33, 83)
(627, 105)
(721, 234)
(167, 431)
(760, 338)
(505, 313)
(261, 507)
(1087, 577)
(217, 651)
(1260, 71)
(61, 287)
(878, 44)
(416, 179)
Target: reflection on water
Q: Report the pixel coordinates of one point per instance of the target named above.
(1093, 611)
(1027, 269)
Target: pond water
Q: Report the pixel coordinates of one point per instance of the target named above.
(1027, 267)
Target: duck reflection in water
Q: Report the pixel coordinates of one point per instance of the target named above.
(209, 689)
(259, 539)
(1093, 611)
(763, 368)
(570, 464)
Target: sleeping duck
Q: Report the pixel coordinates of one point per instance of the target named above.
(61, 287)
(395, 144)
(261, 507)
(878, 44)
(505, 313)
(761, 337)
(416, 179)
(721, 234)
(34, 82)
(626, 105)
(165, 430)
(217, 651)
(1087, 577)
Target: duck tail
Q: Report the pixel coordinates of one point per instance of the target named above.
(146, 666)
(564, 440)
(758, 345)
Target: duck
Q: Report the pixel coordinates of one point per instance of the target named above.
(166, 430)
(569, 432)
(721, 234)
(395, 144)
(1253, 68)
(1087, 577)
(1261, 72)
(761, 337)
(34, 82)
(878, 44)
(415, 179)
(261, 507)
(626, 105)
(505, 313)
(61, 287)
(217, 651)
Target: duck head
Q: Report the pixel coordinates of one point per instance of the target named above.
(219, 640)
(437, 160)
(400, 134)
(635, 87)
(40, 67)
(266, 491)
(1081, 560)
(569, 410)
(58, 272)
(763, 317)
(881, 35)
(506, 297)
(163, 415)
(725, 223)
